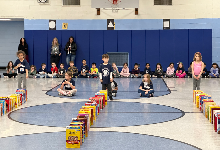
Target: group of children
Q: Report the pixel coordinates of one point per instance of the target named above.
(106, 73)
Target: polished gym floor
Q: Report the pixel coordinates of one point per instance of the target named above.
(167, 121)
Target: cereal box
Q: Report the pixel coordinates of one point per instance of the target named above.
(205, 100)
(102, 96)
(93, 104)
(85, 116)
(207, 108)
(201, 98)
(24, 95)
(74, 122)
(73, 136)
(213, 111)
(3, 107)
(197, 98)
(93, 110)
(204, 106)
(194, 94)
(1, 110)
(8, 103)
(211, 108)
(216, 113)
(86, 124)
(90, 111)
(15, 100)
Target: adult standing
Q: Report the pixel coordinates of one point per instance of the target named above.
(55, 52)
(70, 49)
(24, 47)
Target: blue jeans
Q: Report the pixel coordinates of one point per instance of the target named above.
(210, 74)
(143, 92)
(70, 57)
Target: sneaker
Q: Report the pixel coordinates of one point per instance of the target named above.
(152, 95)
(110, 97)
(60, 94)
(114, 94)
(69, 95)
(140, 95)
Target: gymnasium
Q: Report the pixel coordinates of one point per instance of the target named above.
(109, 74)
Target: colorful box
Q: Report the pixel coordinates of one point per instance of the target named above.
(80, 123)
(106, 95)
(3, 107)
(201, 100)
(90, 112)
(1, 110)
(73, 136)
(8, 103)
(213, 115)
(15, 100)
(86, 124)
(216, 114)
(204, 101)
(194, 94)
(93, 104)
(211, 108)
(102, 96)
(205, 104)
(85, 116)
(93, 110)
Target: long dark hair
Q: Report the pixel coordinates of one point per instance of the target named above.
(178, 68)
(158, 64)
(215, 64)
(69, 40)
(24, 41)
(8, 67)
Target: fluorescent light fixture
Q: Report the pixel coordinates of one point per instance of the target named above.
(4, 19)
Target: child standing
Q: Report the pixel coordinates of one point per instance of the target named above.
(125, 71)
(105, 74)
(170, 71)
(204, 72)
(22, 65)
(147, 69)
(84, 70)
(135, 73)
(32, 72)
(10, 70)
(114, 86)
(214, 71)
(146, 87)
(180, 72)
(197, 68)
(54, 71)
(68, 84)
(42, 71)
(158, 71)
(73, 69)
(94, 71)
(61, 71)
(115, 70)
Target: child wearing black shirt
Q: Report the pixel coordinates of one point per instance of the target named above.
(158, 71)
(42, 71)
(22, 65)
(84, 70)
(205, 72)
(67, 87)
(61, 71)
(147, 69)
(146, 87)
(114, 86)
(105, 74)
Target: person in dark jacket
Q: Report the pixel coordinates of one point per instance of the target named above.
(135, 73)
(70, 49)
(24, 47)
(158, 71)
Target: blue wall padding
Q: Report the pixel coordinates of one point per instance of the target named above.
(96, 46)
(138, 48)
(110, 41)
(143, 46)
(83, 49)
(152, 55)
(40, 48)
(29, 36)
(200, 41)
(124, 43)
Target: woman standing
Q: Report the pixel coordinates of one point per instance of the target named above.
(70, 49)
(55, 52)
(24, 47)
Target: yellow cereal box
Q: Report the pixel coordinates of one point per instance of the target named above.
(77, 122)
(106, 95)
(73, 136)
(90, 111)
(94, 111)
(194, 94)
(207, 107)
(211, 108)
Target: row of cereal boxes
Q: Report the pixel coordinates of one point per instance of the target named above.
(78, 129)
(9, 103)
(208, 107)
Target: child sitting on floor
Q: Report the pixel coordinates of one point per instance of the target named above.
(125, 71)
(67, 87)
(190, 71)
(114, 86)
(42, 71)
(170, 71)
(73, 69)
(84, 70)
(147, 69)
(158, 71)
(146, 87)
(10, 70)
(180, 72)
(94, 71)
(115, 70)
(214, 71)
(54, 71)
(61, 71)
(205, 72)
(32, 72)
(135, 73)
